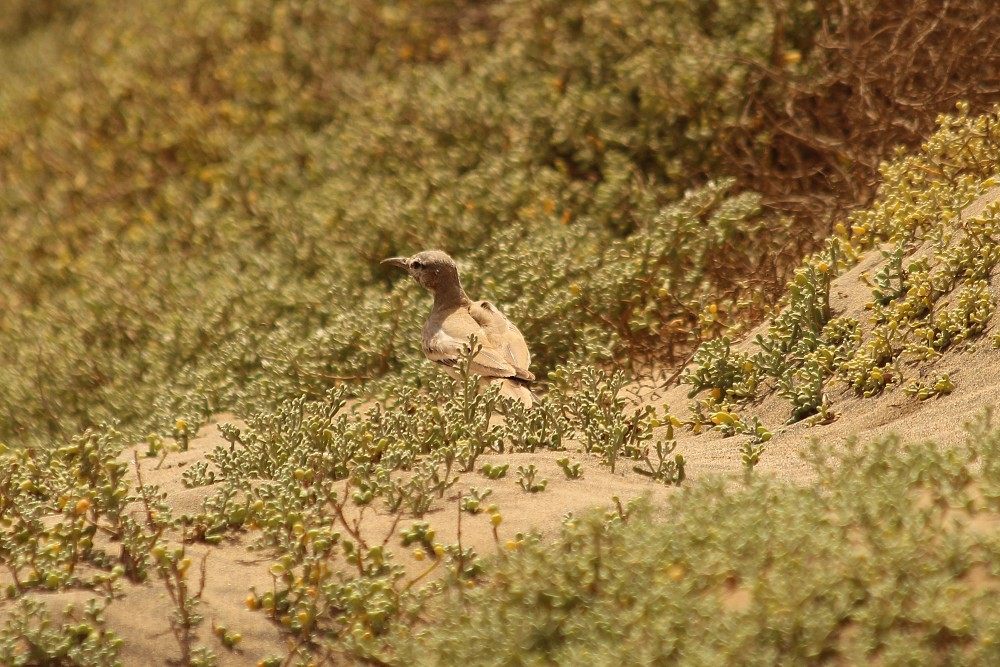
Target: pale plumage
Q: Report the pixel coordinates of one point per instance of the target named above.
(504, 356)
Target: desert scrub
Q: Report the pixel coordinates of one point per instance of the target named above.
(600, 420)
(83, 487)
(277, 196)
(283, 468)
(714, 584)
(720, 370)
(172, 565)
(931, 294)
(32, 636)
(305, 477)
(214, 245)
(787, 354)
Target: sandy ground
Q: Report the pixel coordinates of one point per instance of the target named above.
(141, 614)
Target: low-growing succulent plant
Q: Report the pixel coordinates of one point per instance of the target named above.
(571, 470)
(495, 471)
(31, 635)
(526, 479)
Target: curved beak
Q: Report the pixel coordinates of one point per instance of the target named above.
(398, 262)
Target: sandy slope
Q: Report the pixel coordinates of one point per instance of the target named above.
(141, 614)
(975, 369)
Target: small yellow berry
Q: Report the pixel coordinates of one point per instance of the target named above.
(792, 57)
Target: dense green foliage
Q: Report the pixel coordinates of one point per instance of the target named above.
(195, 195)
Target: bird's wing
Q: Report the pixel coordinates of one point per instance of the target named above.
(444, 337)
(503, 336)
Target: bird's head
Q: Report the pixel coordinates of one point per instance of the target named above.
(433, 270)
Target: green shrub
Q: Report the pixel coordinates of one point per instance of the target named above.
(30, 636)
(876, 561)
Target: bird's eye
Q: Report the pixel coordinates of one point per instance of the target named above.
(417, 264)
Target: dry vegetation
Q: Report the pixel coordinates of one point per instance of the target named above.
(194, 202)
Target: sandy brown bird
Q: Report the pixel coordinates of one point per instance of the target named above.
(504, 356)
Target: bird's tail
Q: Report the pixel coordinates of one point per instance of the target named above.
(519, 392)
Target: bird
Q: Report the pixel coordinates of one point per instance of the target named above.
(504, 355)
